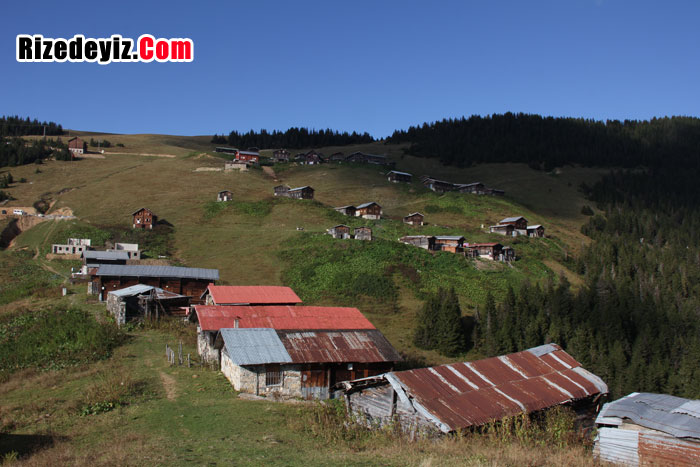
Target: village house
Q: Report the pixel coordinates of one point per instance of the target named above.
(74, 246)
(396, 177)
(281, 155)
(463, 396)
(191, 282)
(507, 230)
(369, 210)
(94, 259)
(77, 146)
(282, 190)
(225, 150)
(535, 231)
(365, 158)
(451, 243)
(649, 429)
(415, 218)
(519, 223)
(438, 186)
(313, 158)
(144, 219)
(347, 210)
(225, 195)
(212, 318)
(427, 242)
(363, 233)
(248, 156)
(303, 192)
(131, 249)
(255, 295)
(492, 251)
(476, 188)
(301, 364)
(337, 157)
(236, 165)
(141, 302)
(339, 231)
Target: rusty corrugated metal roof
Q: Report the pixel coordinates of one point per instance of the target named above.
(213, 317)
(252, 295)
(465, 394)
(368, 346)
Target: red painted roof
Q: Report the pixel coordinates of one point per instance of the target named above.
(252, 295)
(461, 395)
(213, 317)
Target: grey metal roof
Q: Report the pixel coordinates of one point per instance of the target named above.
(367, 204)
(157, 271)
(676, 416)
(300, 188)
(414, 214)
(400, 173)
(536, 226)
(105, 255)
(511, 219)
(137, 289)
(449, 237)
(254, 346)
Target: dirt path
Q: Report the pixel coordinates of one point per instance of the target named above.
(169, 386)
(269, 171)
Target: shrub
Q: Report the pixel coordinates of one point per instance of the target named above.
(586, 210)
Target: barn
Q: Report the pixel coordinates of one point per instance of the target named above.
(144, 219)
(415, 218)
(191, 282)
(236, 295)
(465, 395)
(397, 177)
(369, 210)
(649, 429)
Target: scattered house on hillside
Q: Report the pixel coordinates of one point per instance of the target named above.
(365, 158)
(132, 249)
(649, 429)
(339, 231)
(369, 210)
(507, 229)
(427, 242)
(519, 223)
(492, 251)
(281, 155)
(140, 302)
(74, 246)
(442, 186)
(347, 210)
(94, 259)
(476, 188)
(415, 218)
(191, 282)
(248, 156)
(463, 396)
(236, 165)
(144, 219)
(363, 233)
(451, 243)
(254, 295)
(211, 319)
(396, 177)
(313, 158)
(300, 364)
(282, 190)
(495, 192)
(300, 157)
(77, 146)
(303, 192)
(226, 150)
(535, 231)
(336, 157)
(438, 186)
(225, 195)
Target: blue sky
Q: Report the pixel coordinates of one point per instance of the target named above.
(365, 66)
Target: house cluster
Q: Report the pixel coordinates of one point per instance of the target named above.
(302, 192)
(369, 210)
(343, 231)
(81, 247)
(441, 186)
(457, 244)
(514, 226)
(314, 157)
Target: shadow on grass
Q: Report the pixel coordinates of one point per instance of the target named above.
(25, 445)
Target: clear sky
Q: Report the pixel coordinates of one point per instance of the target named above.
(357, 65)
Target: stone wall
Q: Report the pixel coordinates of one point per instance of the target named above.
(251, 379)
(205, 346)
(116, 308)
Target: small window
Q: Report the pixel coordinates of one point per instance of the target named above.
(273, 375)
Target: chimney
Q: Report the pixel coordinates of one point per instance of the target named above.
(235, 322)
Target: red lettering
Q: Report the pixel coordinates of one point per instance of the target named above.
(146, 47)
(162, 50)
(181, 50)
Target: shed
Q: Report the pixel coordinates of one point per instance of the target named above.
(305, 364)
(225, 195)
(414, 218)
(339, 231)
(649, 429)
(369, 210)
(535, 231)
(363, 233)
(465, 395)
(140, 302)
(144, 219)
(236, 295)
(396, 176)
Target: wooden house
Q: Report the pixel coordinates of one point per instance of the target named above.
(312, 158)
(519, 223)
(415, 218)
(364, 158)
(225, 195)
(535, 231)
(492, 251)
(426, 242)
(339, 231)
(282, 190)
(363, 233)
(438, 186)
(396, 177)
(649, 429)
(248, 156)
(281, 155)
(369, 210)
(191, 282)
(476, 188)
(463, 396)
(302, 192)
(451, 243)
(77, 146)
(141, 302)
(337, 157)
(347, 210)
(506, 229)
(144, 219)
